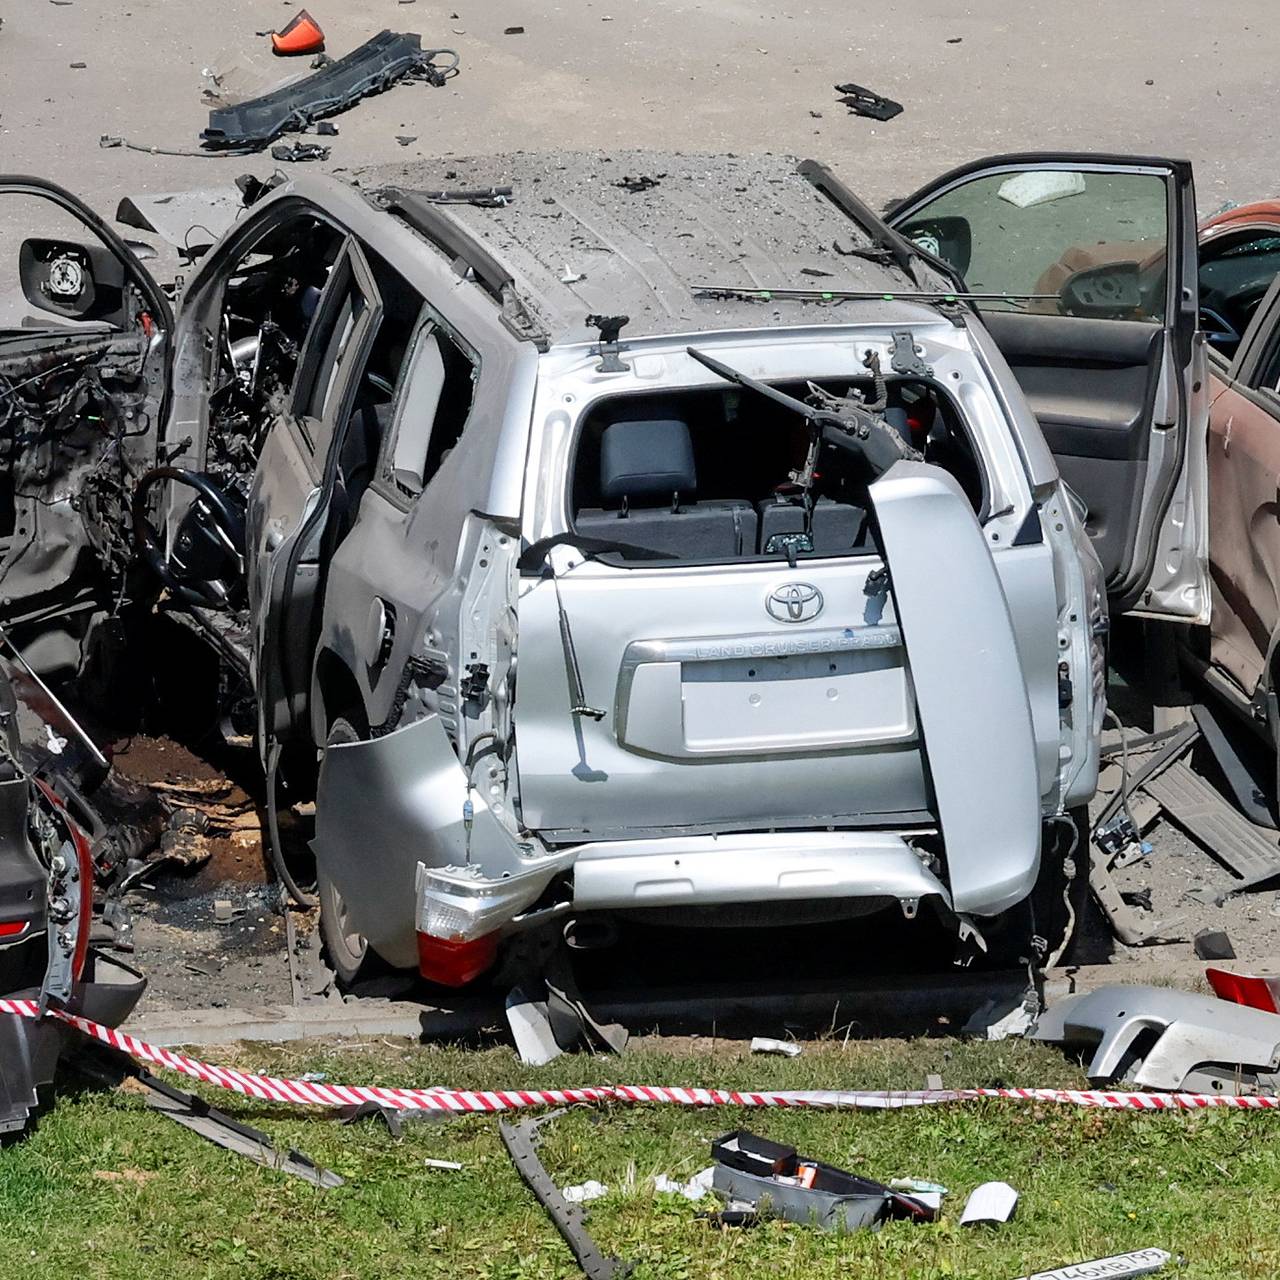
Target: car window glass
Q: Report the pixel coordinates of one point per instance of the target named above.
(338, 327)
(1267, 375)
(417, 412)
(1092, 243)
(379, 386)
(432, 410)
(1236, 269)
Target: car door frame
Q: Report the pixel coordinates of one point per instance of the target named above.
(1258, 343)
(65, 597)
(1174, 501)
(282, 700)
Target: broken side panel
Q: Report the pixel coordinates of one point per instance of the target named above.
(970, 688)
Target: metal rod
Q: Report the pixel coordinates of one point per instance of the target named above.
(870, 294)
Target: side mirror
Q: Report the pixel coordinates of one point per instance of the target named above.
(1112, 291)
(948, 238)
(72, 280)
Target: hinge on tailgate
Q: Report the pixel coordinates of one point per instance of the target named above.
(609, 348)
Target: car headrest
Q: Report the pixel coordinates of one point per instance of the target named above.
(646, 460)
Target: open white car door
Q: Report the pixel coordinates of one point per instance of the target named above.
(1098, 256)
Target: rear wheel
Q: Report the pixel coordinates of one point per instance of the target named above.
(348, 948)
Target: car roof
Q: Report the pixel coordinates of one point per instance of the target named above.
(1259, 212)
(642, 234)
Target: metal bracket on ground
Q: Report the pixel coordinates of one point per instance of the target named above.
(521, 1142)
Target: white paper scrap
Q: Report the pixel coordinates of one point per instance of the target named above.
(991, 1202)
(591, 1190)
(763, 1044)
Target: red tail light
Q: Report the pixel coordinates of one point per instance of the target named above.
(1245, 988)
(452, 962)
(14, 929)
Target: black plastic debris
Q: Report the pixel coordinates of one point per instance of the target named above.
(327, 129)
(376, 65)
(252, 188)
(1213, 944)
(513, 31)
(641, 182)
(404, 139)
(866, 102)
(293, 151)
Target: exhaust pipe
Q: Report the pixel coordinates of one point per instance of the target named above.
(595, 933)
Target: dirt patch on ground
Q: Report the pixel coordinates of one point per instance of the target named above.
(150, 760)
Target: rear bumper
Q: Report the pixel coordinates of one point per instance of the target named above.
(685, 871)
(716, 870)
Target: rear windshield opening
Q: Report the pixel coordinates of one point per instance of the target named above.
(704, 475)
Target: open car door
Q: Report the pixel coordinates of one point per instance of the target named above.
(1097, 255)
(292, 491)
(84, 383)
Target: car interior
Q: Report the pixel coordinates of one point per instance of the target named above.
(708, 474)
(1080, 255)
(1236, 270)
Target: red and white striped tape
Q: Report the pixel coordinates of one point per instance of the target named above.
(320, 1094)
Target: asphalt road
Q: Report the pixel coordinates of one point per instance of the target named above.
(1165, 77)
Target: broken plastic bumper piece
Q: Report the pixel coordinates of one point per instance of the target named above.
(1164, 1039)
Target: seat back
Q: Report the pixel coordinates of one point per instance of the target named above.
(648, 487)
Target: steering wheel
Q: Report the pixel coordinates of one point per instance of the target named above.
(206, 565)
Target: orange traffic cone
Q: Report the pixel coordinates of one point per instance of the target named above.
(302, 35)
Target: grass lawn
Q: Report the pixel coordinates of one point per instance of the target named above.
(104, 1187)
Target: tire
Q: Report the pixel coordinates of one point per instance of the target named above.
(349, 950)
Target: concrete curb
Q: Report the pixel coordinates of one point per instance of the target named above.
(944, 1001)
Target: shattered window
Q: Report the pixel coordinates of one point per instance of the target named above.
(434, 407)
(1088, 244)
(1236, 270)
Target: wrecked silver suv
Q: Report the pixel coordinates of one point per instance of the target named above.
(680, 547)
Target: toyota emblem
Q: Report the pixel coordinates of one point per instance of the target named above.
(794, 602)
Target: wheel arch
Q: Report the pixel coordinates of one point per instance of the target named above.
(335, 692)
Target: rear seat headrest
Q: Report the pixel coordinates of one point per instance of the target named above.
(649, 459)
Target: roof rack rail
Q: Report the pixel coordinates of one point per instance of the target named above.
(904, 253)
(469, 255)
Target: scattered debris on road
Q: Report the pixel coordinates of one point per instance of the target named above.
(295, 151)
(301, 35)
(338, 85)
(866, 102)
